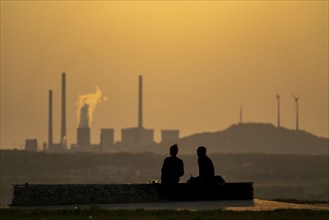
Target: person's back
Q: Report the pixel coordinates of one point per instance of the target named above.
(206, 167)
(172, 168)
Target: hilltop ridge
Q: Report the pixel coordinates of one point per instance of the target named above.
(252, 138)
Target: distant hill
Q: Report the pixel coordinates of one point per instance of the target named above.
(251, 138)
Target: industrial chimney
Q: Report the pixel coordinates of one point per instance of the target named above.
(140, 103)
(50, 122)
(63, 129)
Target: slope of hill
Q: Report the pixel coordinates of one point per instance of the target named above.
(252, 138)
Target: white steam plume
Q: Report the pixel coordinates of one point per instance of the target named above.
(86, 105)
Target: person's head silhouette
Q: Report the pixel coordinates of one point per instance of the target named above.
(201, 151)
(174, 150)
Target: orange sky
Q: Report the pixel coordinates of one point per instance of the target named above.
(200, 62)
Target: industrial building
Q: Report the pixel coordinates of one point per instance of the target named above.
(133, 139)
(107, 140)
(31, 145)
(169, 135)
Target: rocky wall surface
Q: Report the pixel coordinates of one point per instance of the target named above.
(62, 194)
(45, 194)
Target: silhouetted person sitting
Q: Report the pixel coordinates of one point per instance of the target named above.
(206, 167)
(172, 168)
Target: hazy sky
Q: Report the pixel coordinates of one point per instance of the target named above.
(200, 62)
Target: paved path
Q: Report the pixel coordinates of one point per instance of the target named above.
(235, 205)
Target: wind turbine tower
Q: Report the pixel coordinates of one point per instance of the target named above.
(140, 102)
(278, 99)
(240, 114)
(296, 98)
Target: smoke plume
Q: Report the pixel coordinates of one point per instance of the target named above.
(86, 105)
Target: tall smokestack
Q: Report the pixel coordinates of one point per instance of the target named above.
(140, 103)
(50, 122)
(63, 129)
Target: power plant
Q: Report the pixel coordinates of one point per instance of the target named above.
(132, 139)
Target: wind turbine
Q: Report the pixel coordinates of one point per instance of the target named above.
(278, 99)
(296, 98)
(240, 114)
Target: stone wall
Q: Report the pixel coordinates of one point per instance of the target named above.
(63, 194)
